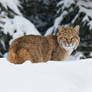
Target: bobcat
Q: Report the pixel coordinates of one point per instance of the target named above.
(44, 48)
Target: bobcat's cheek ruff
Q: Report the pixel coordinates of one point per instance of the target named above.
(68, 46)
(76, 45)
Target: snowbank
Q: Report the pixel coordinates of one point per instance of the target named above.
(21, 25)
(72, 76)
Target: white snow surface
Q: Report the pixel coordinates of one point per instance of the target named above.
(72, 76)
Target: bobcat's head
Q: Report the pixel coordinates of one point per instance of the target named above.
(68, 37)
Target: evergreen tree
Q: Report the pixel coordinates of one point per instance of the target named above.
(4, 38)
(12, 24)
(74, 12)
(40, 12)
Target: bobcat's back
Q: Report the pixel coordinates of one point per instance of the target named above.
(34, 48)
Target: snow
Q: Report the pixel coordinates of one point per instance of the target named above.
(60, 18)
(56, 22)
(90, 25)
(12, 4)
(85, 6)
(18, 23)
(66, 3)
(85, 9)
(76, 56)
(72, 76)
(17, 26)
(14, 25)
(21, 25)
(49, 31)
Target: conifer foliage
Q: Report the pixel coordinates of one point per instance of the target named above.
(40, 12)
(17, 18)
(12, 24)
(74, 12)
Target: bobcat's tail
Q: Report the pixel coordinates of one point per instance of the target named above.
(12, 55)
(17, 55)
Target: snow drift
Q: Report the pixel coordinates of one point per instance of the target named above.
(73, 76)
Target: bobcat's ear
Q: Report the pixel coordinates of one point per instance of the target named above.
(60, 28)
(76, 28)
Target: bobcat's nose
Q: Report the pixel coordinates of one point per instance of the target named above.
(69, 41)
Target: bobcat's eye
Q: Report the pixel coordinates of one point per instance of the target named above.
(65, 38)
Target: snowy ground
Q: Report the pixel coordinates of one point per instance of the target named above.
(72, 76)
